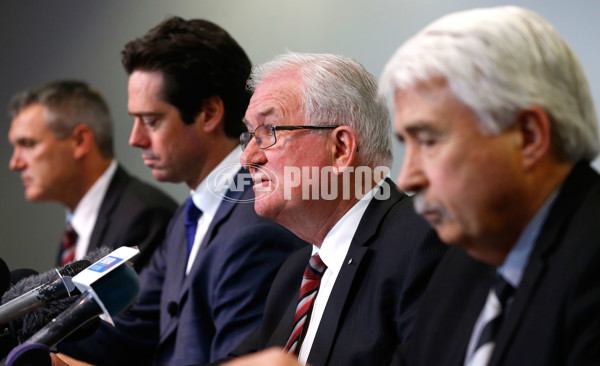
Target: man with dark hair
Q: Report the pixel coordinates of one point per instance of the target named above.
(63, 147)
(205, 288)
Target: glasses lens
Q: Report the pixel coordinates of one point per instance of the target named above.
(245, 138)
(265, 136)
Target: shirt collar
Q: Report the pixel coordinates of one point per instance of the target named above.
(337, 242)
(204, 196)
(83, 218)
(516, 261)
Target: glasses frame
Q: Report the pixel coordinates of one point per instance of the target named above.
(246, 137)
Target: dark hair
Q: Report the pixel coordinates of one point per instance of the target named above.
(70, 103)
(198, 59)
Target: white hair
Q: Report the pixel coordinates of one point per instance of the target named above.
(337, 90)
(499, 61)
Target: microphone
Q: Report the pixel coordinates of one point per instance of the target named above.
(7, 340)
(110, 294)
(4, 277)
(55, 285)
(55, 290)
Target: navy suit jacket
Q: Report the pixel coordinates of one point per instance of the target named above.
(132, 213)
(182, 320)
(554, 318)
(370, 309)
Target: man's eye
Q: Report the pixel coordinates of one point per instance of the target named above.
(150, 122)
(27, 143)
(428, 141)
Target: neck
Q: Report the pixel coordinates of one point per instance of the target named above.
(90, 171)
(217, 152)
(540, 184)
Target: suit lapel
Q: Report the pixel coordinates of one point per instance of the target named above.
(570, 196)
(367, 229)
(110, 200)
(473, 289)
(227, 204)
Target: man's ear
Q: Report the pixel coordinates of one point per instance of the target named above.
(83, 140)
(212, 113)
(535, 131)
(345, 147)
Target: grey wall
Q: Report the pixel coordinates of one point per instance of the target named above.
(42, 41)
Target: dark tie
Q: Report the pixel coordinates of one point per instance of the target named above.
(192, 214)
(487, 340)
(308, 291)
(69, 241)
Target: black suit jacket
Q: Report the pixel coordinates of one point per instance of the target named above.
(555, 316)
(132, 213)
(371, 306)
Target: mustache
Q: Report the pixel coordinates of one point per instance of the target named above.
(421, 206)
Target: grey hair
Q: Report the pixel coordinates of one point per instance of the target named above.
(337, 90)
(69, 103)
(499, 61)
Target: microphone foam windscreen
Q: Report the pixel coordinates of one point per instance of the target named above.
(27, 325)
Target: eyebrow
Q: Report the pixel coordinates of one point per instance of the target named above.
(146, 114)
(261, 115)
(416, 128)
(421, 126)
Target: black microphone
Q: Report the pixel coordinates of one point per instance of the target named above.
(114, 292)
(54, 286)
(7, 340)
(57, 295)
(4, 277)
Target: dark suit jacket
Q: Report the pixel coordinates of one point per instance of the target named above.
(555, 316)
(183, 320)
(371, 306)
(132, 213)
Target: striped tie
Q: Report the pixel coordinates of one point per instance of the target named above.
(496, 306)
(308, 291)
(69, 242)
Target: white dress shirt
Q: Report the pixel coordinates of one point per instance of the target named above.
(83, 218)
(208, 201)
(333, 251)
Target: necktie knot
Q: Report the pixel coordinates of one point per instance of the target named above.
(315, 268)
(192, 215)
(503, 289)
(69, 242)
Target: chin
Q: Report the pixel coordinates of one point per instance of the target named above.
(162, 176)
(264, 208)
(34, 196)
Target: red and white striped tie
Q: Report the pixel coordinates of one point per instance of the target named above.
(308, 291)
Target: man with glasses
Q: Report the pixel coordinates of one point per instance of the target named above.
(319, 139)
(205, 287)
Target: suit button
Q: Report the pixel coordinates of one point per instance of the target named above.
(173, 309)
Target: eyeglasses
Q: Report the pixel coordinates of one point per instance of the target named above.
(266, 137)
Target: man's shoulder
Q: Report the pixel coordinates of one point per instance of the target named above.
(129, 187)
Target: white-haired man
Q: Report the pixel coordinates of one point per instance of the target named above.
(318, 138)
(496, 116)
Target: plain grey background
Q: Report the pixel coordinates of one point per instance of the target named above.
(41, 41)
